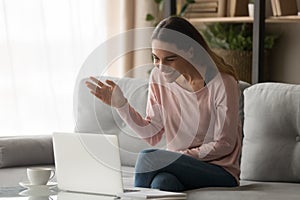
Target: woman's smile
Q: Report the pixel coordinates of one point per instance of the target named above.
(170, 74)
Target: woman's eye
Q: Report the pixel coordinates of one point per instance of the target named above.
(170, 59)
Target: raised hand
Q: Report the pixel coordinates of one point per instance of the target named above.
(109, 93)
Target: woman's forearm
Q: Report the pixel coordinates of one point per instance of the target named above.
(150, 130)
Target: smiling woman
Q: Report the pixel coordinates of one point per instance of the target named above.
(193, 99)
(42, 46)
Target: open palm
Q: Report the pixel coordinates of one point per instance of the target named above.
(109, 93)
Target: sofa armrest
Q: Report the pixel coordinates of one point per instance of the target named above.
(26, 150)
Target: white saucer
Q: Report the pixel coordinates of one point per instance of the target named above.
(30, 186)
(40, 193)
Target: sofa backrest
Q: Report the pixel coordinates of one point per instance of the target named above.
(271, 145)
(92, 116)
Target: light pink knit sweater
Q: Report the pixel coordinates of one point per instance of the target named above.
(204, 124)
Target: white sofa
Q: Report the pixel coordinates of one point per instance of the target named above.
(270, 162)
(271, 147)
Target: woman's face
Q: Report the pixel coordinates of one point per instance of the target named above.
(169, 59)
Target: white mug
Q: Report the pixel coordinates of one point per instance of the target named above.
(40, 175)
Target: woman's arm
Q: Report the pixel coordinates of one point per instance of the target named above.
(150, 129)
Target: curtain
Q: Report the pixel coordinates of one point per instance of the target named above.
(132, 16)
(42, 46)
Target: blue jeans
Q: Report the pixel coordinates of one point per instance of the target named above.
(171, 171)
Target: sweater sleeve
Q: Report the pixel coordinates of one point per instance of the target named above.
(149, 128)
(225, 124)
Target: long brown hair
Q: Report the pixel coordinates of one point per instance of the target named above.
(184, 27)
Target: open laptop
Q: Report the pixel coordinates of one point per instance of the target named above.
(90, 163)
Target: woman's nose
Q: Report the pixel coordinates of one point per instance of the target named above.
(164, 68)
(160, 64)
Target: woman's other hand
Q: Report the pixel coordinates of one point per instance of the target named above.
(109, 93)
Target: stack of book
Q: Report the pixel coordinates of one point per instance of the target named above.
(206, 8)
(284, 7)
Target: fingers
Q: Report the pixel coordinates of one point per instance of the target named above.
(108, 93)
(95, 90)
(94, 86)
(97, 81)
(98, 87)
(111, 83)
(96, 94)
(90, 85)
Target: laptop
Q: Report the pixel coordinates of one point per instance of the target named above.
(90, 163)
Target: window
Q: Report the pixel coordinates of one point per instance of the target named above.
(43, 44)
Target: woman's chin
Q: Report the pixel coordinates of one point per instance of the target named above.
(171, 76)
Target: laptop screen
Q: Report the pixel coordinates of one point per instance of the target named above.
(88, 163)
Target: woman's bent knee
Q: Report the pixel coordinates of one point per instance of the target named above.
(166, 181)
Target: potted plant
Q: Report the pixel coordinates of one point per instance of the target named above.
(233, 42)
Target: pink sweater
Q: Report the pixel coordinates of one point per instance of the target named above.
(204, 124)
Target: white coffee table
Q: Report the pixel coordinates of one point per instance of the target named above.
(20, 193)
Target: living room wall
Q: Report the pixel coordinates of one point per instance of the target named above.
(284, 58)
(284, 62)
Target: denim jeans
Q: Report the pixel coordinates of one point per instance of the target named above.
(171, 171)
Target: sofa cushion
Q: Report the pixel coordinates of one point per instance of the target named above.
(27, 150)
(248, 190)
(271, 146)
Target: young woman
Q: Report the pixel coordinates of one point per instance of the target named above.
(193, 99)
